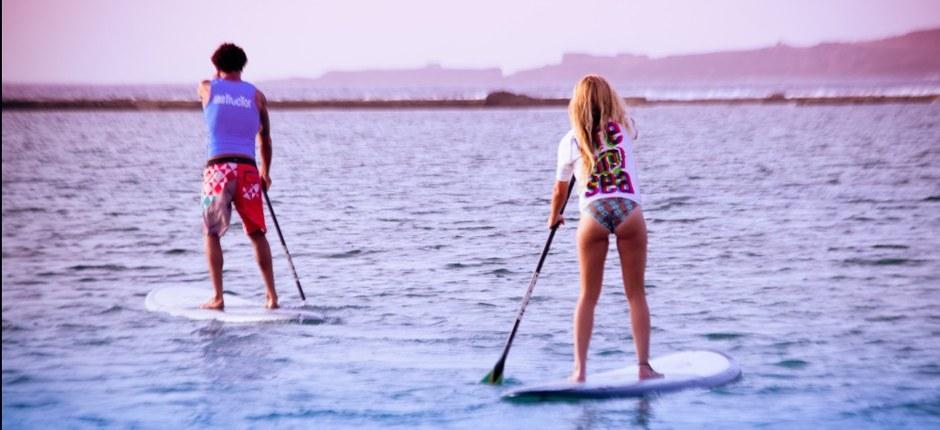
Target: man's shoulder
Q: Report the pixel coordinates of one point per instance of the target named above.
(260, 98)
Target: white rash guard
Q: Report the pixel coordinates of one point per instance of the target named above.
(615, 171)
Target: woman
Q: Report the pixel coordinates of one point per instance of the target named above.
(599, 151)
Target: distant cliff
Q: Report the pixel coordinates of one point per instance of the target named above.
(915, 55)
(429, 76)
(912, 56)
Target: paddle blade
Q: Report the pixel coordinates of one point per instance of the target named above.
(495, 377)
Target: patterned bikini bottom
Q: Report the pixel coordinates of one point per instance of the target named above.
(611, 212)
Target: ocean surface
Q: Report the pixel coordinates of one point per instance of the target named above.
(305, 90)
(802, 241)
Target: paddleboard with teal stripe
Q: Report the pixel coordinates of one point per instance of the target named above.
(681, 370)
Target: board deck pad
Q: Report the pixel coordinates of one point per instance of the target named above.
(185, 302)
(681, 370)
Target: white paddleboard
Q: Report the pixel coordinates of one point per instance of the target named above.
(185, 302)
(686, 369)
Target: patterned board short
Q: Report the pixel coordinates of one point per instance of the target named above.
(224, 184)
(611, 212)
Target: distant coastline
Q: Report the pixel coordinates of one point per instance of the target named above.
(500, 99)
(899, 69)
(913, 56)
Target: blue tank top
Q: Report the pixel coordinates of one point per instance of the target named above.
(232, 117)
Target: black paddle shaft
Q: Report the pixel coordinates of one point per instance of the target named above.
(497, 372)
(290, 262)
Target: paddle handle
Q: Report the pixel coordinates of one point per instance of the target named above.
(290, 261)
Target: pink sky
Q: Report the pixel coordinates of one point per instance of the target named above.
(114, 41)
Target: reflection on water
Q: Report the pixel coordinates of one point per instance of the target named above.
(228, 350)
(644, 413)
(630, 413)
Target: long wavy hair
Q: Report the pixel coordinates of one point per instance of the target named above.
(594, 103)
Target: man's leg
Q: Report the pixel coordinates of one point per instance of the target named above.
(214, 258)
(217, 190)
(263, 257)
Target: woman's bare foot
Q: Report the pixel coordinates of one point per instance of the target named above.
(647, 372)
(271, 302)
(215, 304)
(576, 377)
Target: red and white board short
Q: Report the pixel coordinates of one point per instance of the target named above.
(227, 183)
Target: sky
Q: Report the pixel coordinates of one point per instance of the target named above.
(170, 41)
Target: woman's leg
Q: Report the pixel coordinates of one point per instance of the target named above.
(592, 251)
(631, 244)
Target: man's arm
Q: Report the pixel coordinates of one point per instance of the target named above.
(203, 92)
(264, 140)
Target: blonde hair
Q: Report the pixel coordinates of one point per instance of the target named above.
(594, 103)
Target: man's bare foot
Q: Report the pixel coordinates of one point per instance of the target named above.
(576, 378)
(647, 372)
(215, 304)
(271, 302)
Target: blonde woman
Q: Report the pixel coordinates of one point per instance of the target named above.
(599, 151)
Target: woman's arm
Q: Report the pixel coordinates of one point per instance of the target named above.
(559, 195)
(563, 171)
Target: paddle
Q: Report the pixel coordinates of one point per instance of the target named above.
(496, 375)
(290, 262)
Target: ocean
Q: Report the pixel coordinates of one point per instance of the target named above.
(801, 240)
(306, 90)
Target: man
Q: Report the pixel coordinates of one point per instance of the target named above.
(236, 114)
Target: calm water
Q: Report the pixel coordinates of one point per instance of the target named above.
(801, 240)
(312, 90)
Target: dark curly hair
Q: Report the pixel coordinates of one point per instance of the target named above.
(229, 58)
